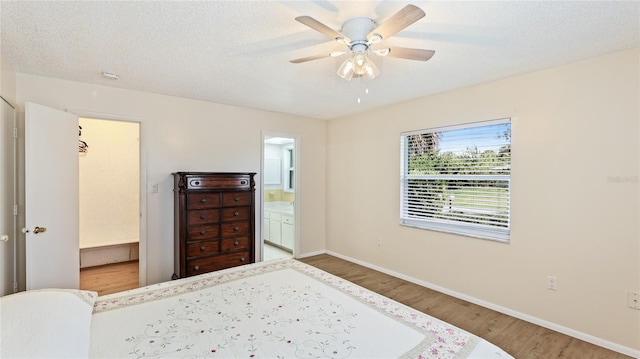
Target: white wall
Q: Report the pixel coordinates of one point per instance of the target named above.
(178, 134)
(109, 183)
(7, 81)
(575, 196)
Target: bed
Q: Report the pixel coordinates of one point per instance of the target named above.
(276, 309)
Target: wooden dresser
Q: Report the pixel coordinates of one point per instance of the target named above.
(214, 221)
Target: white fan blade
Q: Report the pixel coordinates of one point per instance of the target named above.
(322, 28)
(316, 57)
(406, 53)
(403, 18)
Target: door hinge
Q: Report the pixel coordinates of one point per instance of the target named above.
(15, 132)
(15, 209)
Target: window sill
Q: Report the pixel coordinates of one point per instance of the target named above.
(461, 230)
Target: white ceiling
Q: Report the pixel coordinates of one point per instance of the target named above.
(238, 52)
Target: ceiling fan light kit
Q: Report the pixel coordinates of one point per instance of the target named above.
(359, 34)
(359, 65)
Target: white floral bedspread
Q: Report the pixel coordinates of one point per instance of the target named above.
(282, 309)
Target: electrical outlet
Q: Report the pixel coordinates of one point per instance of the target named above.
(154, 188)
(552, 283)
(634, 300)
(380, 242)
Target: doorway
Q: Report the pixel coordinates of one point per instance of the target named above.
(109, 199)
(280, 188)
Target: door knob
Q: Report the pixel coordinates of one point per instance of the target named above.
(39, 230)
(35, 230)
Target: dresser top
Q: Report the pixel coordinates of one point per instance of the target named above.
(215, 173)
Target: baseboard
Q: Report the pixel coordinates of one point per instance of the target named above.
(528, 318)
(91, 257)
(311, 254)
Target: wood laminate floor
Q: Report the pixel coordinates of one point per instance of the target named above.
(519, 338)
(110, 278)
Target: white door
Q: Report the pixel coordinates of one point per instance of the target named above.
(51, 198)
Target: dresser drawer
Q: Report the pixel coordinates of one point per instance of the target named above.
(230, 199)
(195, 233)
(235, 229)
(218, 182)
(202, 265)
(213, 263)
(203, 200)
(203, 248)
(234, 244)
(202, 216)
(235, 214)
(234, 259)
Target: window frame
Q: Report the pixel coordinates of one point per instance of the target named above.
(483, 231)
(289, 168)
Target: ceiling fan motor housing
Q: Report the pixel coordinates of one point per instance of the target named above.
(357, 30)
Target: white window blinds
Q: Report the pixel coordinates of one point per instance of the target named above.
(457, 179)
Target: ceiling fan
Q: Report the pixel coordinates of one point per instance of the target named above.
(359, 34)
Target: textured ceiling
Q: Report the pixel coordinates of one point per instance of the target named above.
(238, 52)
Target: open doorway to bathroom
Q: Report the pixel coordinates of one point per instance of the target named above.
(109, 186)
(279, 197)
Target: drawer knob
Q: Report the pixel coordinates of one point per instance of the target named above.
(202, 232)
(202, 248)
(197, 183)
(203, 200)
(242, 259)
(236, 213)
(236, 228)
(196, 268)
(202, 216)
(236, 243)
(243, 182)
(236, 199)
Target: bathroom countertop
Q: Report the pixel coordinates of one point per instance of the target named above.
(279, 206)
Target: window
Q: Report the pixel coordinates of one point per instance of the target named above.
(289, 170)
(457, 179)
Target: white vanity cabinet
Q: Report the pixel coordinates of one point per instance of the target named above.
(279, 228)
(267, 226)
(275, 227)
(287, 231)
